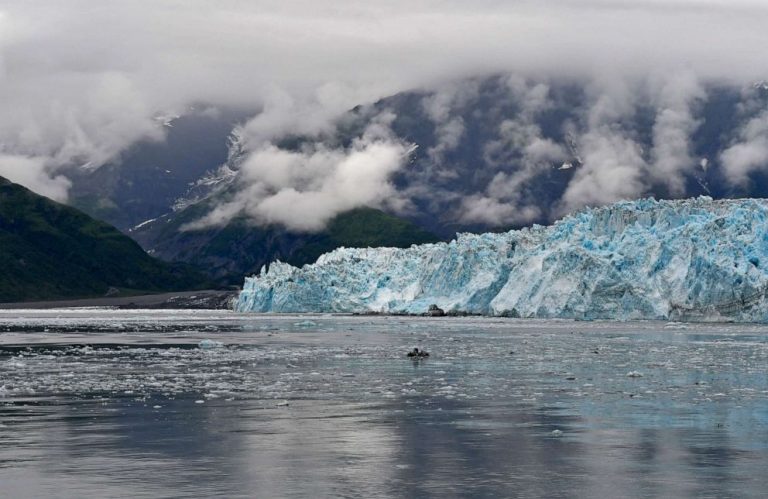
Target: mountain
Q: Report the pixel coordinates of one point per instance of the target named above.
(692, 259)
(241, 248)
(157, 188)
(147, 180)
(501, 152)
(493, 154)
(50, 251)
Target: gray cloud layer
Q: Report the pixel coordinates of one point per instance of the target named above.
(82, 80)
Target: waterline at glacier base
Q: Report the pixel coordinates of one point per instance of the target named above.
(694, 259)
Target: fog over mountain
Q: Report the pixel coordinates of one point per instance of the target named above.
(489, 113)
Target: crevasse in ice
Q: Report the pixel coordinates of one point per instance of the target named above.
(647, 259)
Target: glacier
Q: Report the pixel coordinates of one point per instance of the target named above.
(692, 259)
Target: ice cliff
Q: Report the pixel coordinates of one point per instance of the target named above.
(688, 259)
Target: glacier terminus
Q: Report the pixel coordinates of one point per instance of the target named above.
(693, 259)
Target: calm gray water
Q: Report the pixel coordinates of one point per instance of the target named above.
(100, 403)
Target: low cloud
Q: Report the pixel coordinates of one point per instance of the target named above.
(303, 190)
(32, 173)
(749, 153)
(615, 164)
(520, 142)
(676, 100)
(443, 107)
(613, 170)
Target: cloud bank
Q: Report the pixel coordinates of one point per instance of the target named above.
(82, 80)
(304, 189)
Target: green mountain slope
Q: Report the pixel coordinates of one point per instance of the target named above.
(48, 250)
(230, 252)
(362, 228)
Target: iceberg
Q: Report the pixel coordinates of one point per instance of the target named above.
(693, 259)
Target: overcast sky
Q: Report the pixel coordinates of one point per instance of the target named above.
(80, 80)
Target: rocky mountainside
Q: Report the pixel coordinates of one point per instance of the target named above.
(146, 181)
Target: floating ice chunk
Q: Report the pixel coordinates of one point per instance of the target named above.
(306, 323)
(634, 374)
(556, 433)
(210, 344)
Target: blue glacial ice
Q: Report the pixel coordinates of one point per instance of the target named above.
(694, 259)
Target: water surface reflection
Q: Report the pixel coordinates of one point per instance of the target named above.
(330, 407)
